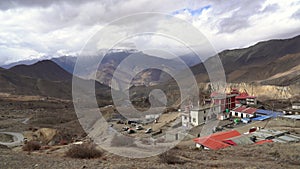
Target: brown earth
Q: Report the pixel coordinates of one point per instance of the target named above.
(60, 115)
(260, 156)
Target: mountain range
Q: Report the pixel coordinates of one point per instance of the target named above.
(110, 62)
(274, 62)
(45, 78)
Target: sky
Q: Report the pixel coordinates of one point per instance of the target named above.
(31, 29)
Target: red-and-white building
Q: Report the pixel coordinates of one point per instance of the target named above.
(231, 100)
(216, 141)
(243, 112)
(243, 98)
(226, 103)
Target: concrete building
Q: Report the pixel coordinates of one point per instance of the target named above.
(200, 114)
(244, 99)
(251, 100)
(294, 110)
(185, 117)
(226, 101)
(275, 136)
(296, 106)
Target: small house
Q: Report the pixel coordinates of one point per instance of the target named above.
(217, 140)
(244, 112)
(296, 106)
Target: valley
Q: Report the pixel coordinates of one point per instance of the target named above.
(38, 107)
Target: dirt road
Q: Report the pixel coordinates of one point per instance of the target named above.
(17, 137)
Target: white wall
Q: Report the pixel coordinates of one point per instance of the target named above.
(296, 107)
(239, 114)
(197, 117)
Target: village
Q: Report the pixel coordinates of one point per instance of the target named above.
(234, 123)
(237, 119)
(240, 121)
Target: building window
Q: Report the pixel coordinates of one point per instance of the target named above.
(236, 114)
(204, 118)
(194, 120)
(204, 111)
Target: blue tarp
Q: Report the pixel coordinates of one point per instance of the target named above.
(269, 113)
(261, 118)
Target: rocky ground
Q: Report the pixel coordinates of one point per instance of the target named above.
(260, 156)
(6, 138)
(25, 115)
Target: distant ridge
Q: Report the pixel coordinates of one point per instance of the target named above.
(258, 62)
(46, 70)
(14, 83)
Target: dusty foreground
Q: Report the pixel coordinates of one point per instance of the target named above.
(23, 115)
(260, 156)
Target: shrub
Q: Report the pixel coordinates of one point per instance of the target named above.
(31, 146)
(84, 151)
(170, 158)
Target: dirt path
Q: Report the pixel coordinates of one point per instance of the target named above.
(17, 137)
(245, 128)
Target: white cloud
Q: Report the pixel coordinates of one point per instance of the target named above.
(32, 29)
(243, 23)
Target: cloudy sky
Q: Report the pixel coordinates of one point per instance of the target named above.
(49, 28)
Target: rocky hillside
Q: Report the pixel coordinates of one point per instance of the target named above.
(46, 70)
(40, 84)
(13, 83)
(272, 62)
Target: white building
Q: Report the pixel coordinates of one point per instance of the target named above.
(296, 106)
(251, 100)
(243, 112)
(185, 117)
(200, 115)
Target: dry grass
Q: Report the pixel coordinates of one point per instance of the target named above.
(84, 151)
(169, 158)
(122, 141)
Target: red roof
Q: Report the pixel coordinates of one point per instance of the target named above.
(243, 109)
(239, 109)
(251, 97)
(230, 142)
(264, 141)
(211, 143)
(225, 135)
(215, 141)
(250, 110)
(242, 95)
